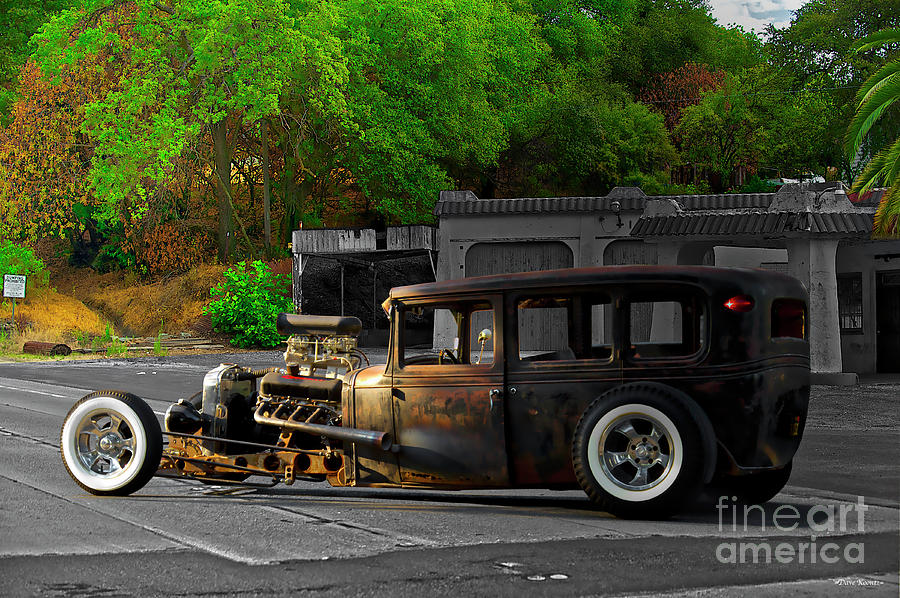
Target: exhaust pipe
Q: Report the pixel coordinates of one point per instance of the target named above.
(381, 440)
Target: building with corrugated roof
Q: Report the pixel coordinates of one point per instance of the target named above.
(810, 231)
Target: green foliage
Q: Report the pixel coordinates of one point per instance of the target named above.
(18, 259)
(117, 348)
(158, 349)
(818, 40)
(753, 121)
(815, 51)
(247, 303)
(132, 115)
(875, 99)
(19, 20)
(756, 184)
(434, 87)
(663, 35)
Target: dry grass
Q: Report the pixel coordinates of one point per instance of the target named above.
(52, 316)
(86, 308)
(171, 305)
(47, 316)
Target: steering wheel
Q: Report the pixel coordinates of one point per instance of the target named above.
(448, 354)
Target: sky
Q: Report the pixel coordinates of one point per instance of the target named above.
(754, 14)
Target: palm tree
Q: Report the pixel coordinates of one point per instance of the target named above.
(877, 94)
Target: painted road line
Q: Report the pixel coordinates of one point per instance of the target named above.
(44, 393)
(42, 389)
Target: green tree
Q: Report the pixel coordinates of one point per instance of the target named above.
(19, 20)
(875, 99)
(814, 52)
(663, 35)
(819, 37)
(45, 157)
(435, 88)
(590, 146)
(19, 259)
(727, 128)
(196, 69)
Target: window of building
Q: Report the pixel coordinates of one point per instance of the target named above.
(850, 302)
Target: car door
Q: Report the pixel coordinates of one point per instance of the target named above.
(448, 405)
(550, 384)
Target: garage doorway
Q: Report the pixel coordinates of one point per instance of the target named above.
(506, 258)
(887, 321)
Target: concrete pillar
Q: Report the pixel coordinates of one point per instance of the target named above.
(812, 261)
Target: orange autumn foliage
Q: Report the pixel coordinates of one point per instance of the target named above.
(670, 93)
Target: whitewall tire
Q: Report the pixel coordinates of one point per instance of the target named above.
(637, 451)
(111, 443)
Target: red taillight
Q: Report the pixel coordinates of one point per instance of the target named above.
(741, 303)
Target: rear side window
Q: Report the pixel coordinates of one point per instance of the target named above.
(564, 327)
(665, 327)
(788, 318)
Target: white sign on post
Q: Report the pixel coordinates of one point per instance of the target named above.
(14, 286)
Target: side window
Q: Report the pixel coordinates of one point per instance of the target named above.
(669, 328)
(564, 328)
(470, 341)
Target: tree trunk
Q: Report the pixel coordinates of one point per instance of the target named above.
(267, 218)
(222, 154)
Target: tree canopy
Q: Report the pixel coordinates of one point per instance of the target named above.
(150, 133)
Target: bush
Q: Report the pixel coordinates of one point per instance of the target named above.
(18, 259)
(755, 184)
(246, 304)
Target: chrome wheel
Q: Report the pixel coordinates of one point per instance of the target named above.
(105, 442)
(111, 443)
(635, 452)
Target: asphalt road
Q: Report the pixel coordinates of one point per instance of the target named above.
(182, 538)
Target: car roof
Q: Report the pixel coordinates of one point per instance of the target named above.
(748, 278)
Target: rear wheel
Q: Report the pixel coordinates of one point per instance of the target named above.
(637, 452)
(111, 443)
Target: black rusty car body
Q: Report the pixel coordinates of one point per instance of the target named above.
(639, 384)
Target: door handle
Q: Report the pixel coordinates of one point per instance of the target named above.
(494, 394)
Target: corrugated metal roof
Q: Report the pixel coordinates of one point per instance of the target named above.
(753, 222)
(531, 205)
(723, 201)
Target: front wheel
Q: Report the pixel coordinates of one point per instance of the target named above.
(111, 443)
(637, 452)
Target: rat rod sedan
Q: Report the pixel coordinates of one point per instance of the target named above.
(638, 384)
